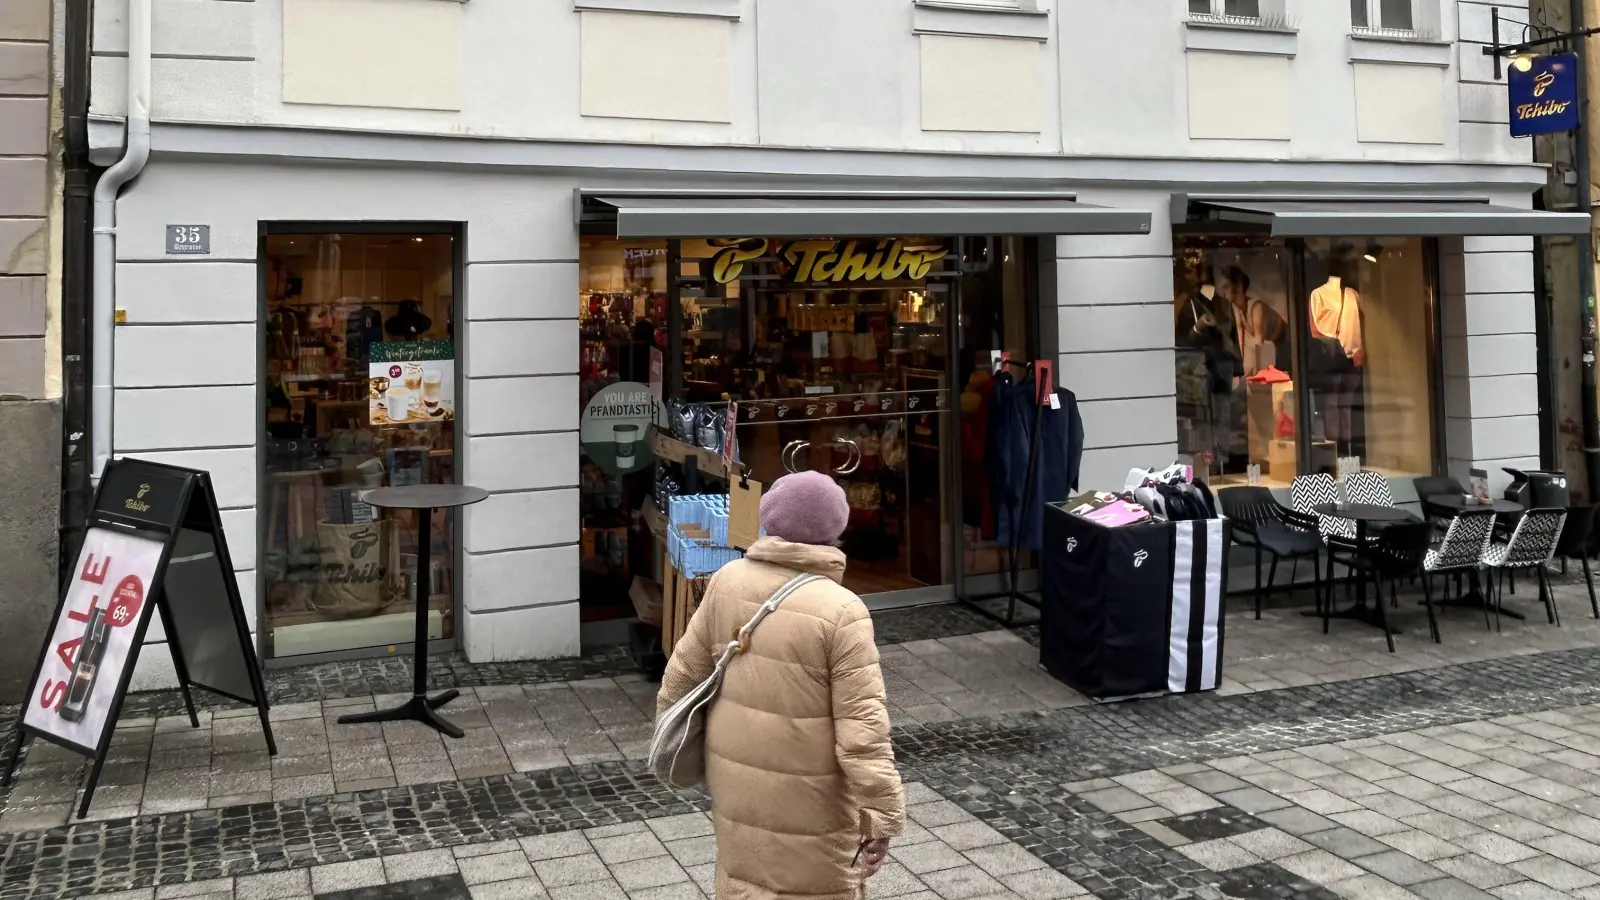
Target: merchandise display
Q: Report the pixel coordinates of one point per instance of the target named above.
(1132, 587)
(361, 394)
(1270, 387)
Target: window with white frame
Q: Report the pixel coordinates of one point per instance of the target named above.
(1383, 15)
(1233, 9)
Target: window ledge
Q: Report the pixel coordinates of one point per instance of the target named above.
(1398, 48)
(1231, 34)
(730, 10)
(947, 17)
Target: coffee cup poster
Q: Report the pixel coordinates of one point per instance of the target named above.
(412, 383)
(614, 426)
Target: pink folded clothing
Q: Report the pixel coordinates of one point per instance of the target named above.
(1118, 514)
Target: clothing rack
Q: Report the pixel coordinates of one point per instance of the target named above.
(1012, 594)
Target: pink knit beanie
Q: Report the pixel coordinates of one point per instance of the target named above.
(805, 508)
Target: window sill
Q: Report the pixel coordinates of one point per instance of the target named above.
(945, 17)
(1231, 34)
(1398, 48)
(730, 10)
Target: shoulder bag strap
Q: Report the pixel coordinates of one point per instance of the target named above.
(741, 638)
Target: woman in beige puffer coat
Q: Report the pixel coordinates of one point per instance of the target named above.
(804, 789)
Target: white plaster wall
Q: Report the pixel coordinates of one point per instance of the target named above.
(817, 73)
(186, 363)
(1490, 356)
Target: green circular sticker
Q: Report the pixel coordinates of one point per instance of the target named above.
(614, 426)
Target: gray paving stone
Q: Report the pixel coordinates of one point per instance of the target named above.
(692, 825)
(1297, 821)
(1320, 866)
(1254, 800)
(556, 846)
(1399, 868)
(629, 847)
(590, 890)
(967, 835)
(921, 859)
(1477, 871)
(1004, 859)
(419, 865)
(964, 883)
(1368, 823)
(1370, 887)
(346, 876)
(527, 888)
(496, 867)
(1559, 874)
(1495, 848)
(687, 890)
(1450, 889)
(291, 885)
(1112, 800)
(693, 851)
(1420, 845)
(1043, 884)
(569, 870)
(648, 873)
(1271, 843)
(195, 889)
(1219, 855)
(1347, 844)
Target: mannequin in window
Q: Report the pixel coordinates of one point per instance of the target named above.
(1205, 323)
(1337, 354)
(1258, 323)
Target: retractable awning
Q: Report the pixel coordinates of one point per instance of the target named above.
(1410, 218)
(864, 215)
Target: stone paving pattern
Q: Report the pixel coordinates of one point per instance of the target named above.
(1325, 767)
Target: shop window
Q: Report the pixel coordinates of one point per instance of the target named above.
(1369, 357)
(1293, 357)
(1235, 359)
(361, 388)
(622, 301)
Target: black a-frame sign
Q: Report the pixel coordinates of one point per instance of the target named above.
(154, 540)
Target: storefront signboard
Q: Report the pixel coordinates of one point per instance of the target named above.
(831, 261)
(614, 425)
(154, 546)
(1544, 98)
(412, 382)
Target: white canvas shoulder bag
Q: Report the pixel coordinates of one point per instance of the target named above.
(678, 747)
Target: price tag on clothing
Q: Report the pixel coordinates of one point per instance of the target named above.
(744, 513)
(1055, 401)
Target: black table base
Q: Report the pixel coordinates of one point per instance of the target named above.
(424, 498)
(419, 708)
(1369, 615)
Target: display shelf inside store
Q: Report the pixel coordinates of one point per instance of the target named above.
(669, 448)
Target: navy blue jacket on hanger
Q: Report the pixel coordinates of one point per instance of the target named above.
(1060, 455)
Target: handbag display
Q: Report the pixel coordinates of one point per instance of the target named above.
(678, 746)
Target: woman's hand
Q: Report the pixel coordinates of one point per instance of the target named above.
(873, 855)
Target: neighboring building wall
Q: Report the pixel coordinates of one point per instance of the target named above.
(30, 406)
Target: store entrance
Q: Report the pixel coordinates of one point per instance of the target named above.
(870, 360)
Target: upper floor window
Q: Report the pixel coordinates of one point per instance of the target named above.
(1382, 15)
(1241, 9)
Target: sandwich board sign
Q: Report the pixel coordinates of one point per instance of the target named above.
(154, 547)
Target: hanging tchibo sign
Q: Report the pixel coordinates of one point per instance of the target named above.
(1544, 96)
(154, 542)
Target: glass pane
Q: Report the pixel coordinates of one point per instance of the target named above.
(1236, 406)
(1358, 14)
(835, 343)
(1249, 8)
(1200, 7)
(1370, 354)
(995, 302)
(361, 393)
(623, 307)
(1396, 14)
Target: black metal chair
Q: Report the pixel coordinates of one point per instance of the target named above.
(1577, 542)
(1432, 485)
(1267, 526)
(1399, 552)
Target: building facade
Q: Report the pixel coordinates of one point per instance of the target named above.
(381, 241)
(30, 381)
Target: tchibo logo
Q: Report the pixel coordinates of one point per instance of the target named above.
(1072, 544)
(1139, 558)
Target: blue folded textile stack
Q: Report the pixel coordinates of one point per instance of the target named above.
(705, 517)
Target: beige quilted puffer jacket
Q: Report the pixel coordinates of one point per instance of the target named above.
(797, 742)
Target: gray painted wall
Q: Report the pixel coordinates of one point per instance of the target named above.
(30, 417)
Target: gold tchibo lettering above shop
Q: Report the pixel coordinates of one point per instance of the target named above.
(831, 261)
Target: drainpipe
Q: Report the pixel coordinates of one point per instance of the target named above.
(1590, 398)
(135, 154)
(76, 327)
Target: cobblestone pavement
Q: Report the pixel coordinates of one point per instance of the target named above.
(1325, 767)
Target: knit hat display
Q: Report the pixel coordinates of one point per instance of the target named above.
(805, 508)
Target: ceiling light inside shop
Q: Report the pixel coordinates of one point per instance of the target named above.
(1374, 250)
